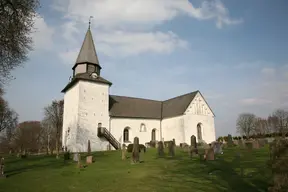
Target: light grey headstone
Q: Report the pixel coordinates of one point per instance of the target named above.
(217, 148)
(75, 157)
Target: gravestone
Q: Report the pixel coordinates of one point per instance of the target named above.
(89, 158)
(2, 175)
(230, 141)
(171, 148)
(193, 142)
(79, 160)
(123, 152)
(255, 144)
(217, 148)
(160, 149)
(193, 146)
(75, 157)
(210, 156)
(262, 142)
(249, 145)
(185, 147)
(240, 143)
(174, 142)
(135, 151)
(156, 145)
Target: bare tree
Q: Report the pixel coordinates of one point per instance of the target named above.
(279, 121)
(261, 126)
(16, 21)
(54, 116)
(47, 141)
(27, 136)
(245, 124)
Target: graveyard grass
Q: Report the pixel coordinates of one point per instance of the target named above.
(110, 173)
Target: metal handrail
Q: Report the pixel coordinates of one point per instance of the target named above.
(111, 138)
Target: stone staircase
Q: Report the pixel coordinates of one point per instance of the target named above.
(103, 132)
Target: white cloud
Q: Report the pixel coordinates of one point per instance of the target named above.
(69, 57)
(42, 35)
(126, 27)
(255, 101)
(69, 30)
(111, 13)
(267, 71)
(123, 43)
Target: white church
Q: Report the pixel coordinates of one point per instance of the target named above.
(91, 113)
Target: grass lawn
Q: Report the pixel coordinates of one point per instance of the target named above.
(109, 173)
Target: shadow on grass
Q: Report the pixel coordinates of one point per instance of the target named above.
(220, 173)
(19, 166)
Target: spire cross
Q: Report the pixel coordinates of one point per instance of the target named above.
(90, 21)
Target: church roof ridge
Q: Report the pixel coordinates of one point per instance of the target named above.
(130, 97)
(186, 94)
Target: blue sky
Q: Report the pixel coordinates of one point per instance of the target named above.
(232, 51)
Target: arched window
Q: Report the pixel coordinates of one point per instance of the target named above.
(126, 134)
(153, 135)
(142, 127)
(199, 131)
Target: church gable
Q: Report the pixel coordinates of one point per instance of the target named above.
(199, 106)
(177, 105)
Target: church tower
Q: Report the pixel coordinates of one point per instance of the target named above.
(86, 102)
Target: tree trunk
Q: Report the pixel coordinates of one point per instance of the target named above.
(57, 145)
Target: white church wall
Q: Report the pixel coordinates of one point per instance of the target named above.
(199, 112)
(70, 118)
(173, 128)
(117, 126)
(93, 109)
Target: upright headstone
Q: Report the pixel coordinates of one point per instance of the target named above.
(89, 158)
(193, 146)
(193, 142)
(240, 143)
(89, 148)
(217, 148)
(255, 144)
(135, 151)
(174, 142)
(123, 152)
(160, 149)
(79, 160)
(2, 167)
(75, 157)
(171, 148)
(210, 156)
(230, 142)
(249, 145)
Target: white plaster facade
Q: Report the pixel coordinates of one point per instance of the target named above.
(86, 104)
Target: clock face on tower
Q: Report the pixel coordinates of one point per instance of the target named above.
(94, 75)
